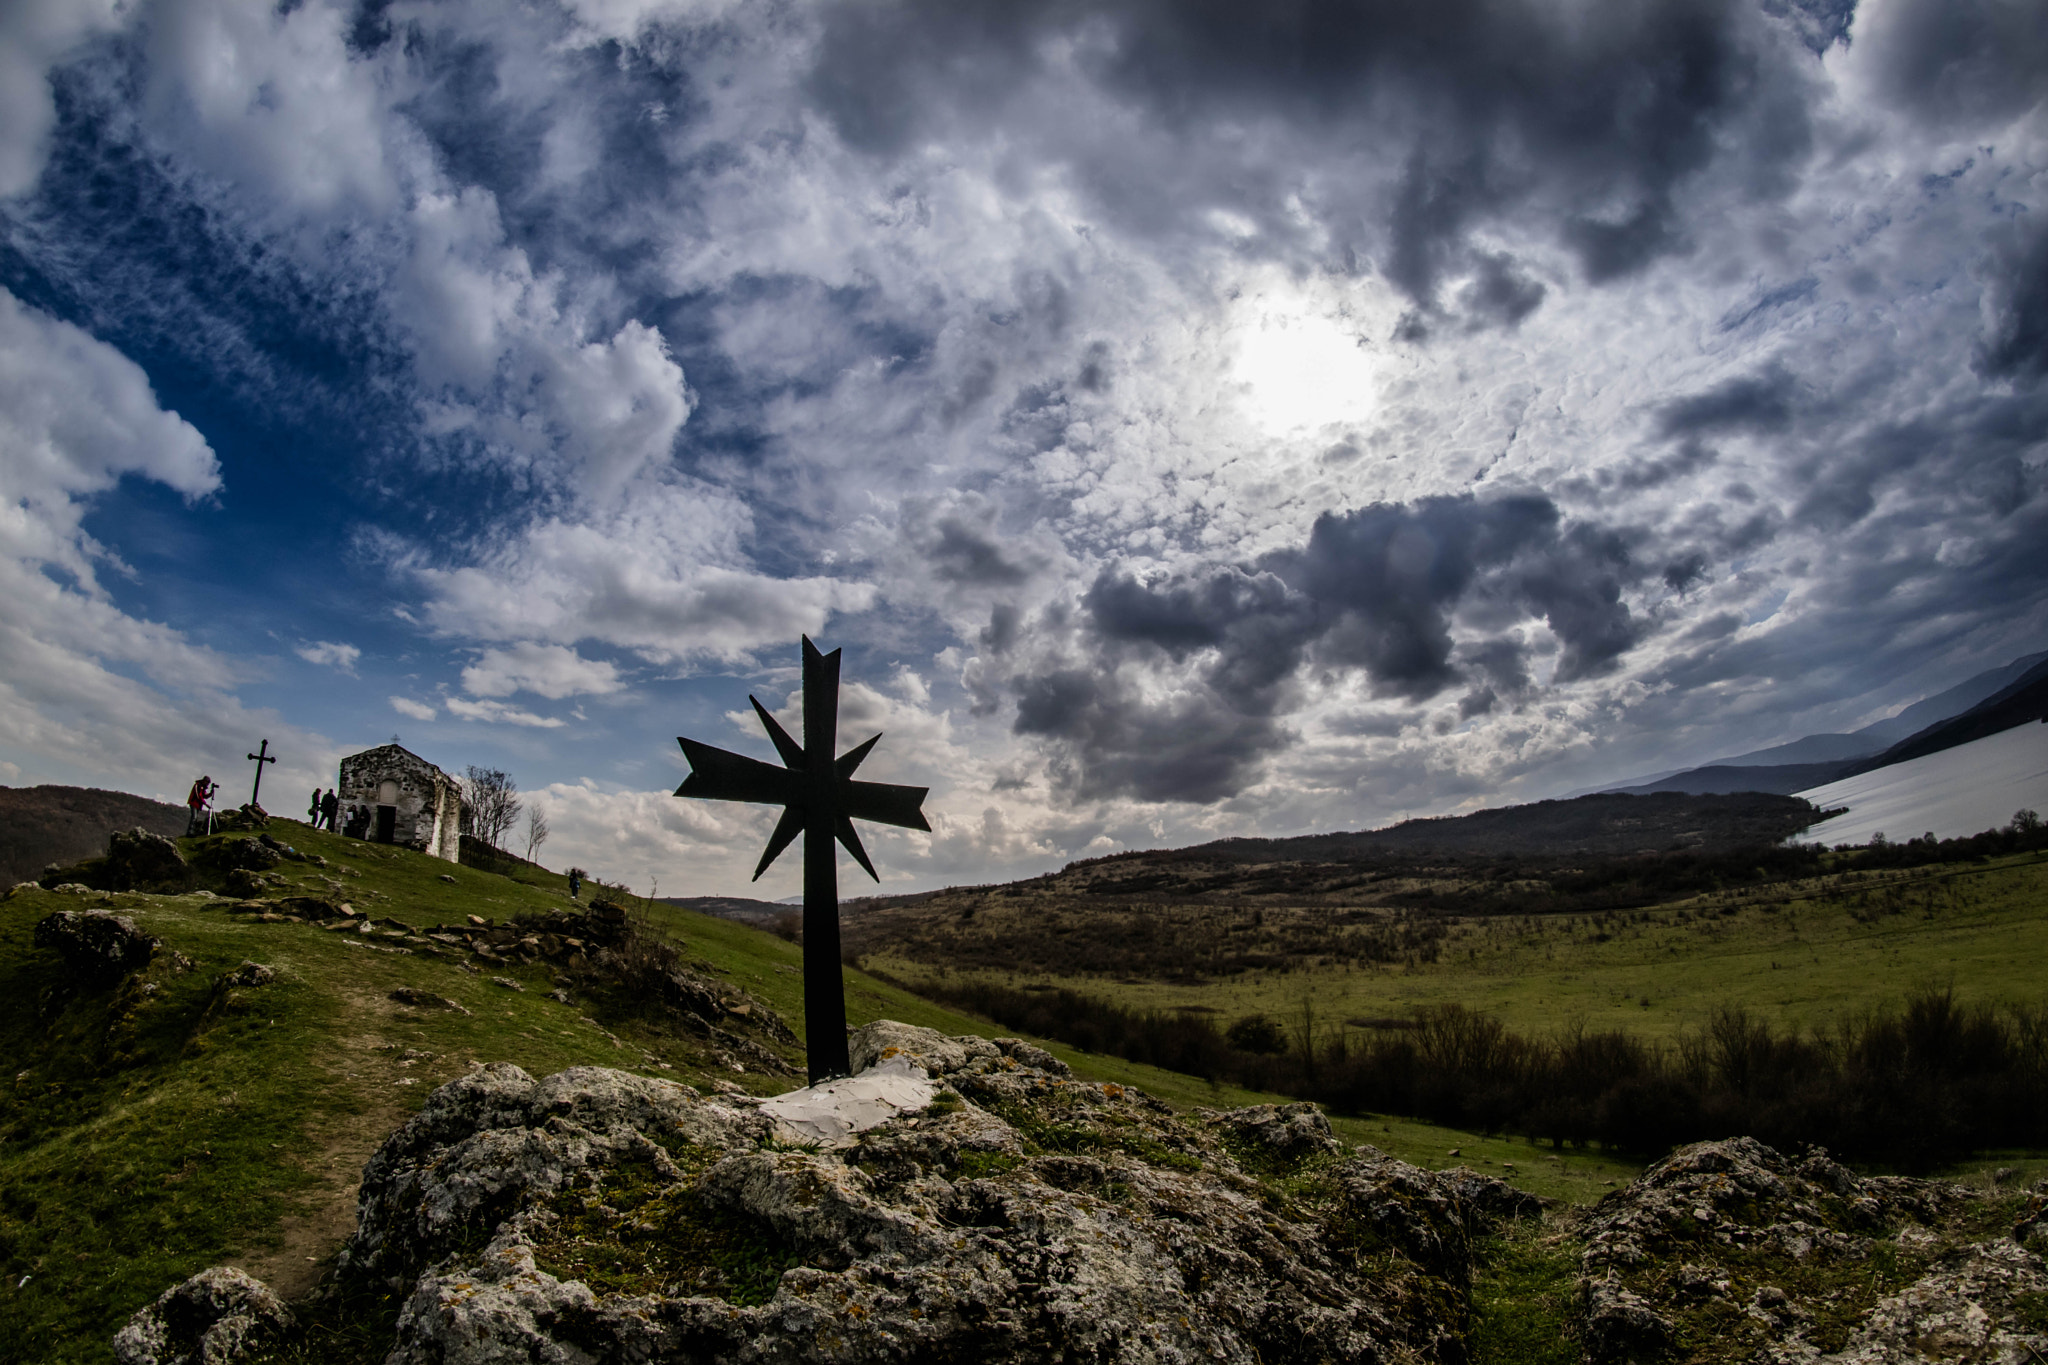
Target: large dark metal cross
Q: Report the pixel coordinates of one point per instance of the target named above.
(260, 758)
(820, 801)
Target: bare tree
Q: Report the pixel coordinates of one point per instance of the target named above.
(536, 829)
(493, 803)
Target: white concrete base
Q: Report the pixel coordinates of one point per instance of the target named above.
(832, 1113)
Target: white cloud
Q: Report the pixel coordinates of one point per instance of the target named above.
(661, 575)
(35, 34)
(418, 710)
(271, 98)
(75, 417)
(497, 713)
(551, 671)
(329, 654)
(87, 691)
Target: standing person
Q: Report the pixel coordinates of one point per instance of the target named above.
(328, 804)
(313, 809)
(575, 881)
(197, 800)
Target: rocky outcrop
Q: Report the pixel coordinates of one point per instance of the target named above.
(217, 1317)
(138, 860)
(98, 947)
(1743, 1253)
(1020, 1215)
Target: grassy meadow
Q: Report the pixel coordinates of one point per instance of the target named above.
(178, 1122)
(1807, 954)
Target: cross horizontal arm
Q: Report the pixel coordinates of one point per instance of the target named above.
(719, 775)
(885, 804)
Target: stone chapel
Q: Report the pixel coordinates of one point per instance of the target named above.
(391, 795)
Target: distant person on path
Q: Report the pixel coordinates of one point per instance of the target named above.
(313, 809)
(575, 881)
(197, 801)
(328, 805)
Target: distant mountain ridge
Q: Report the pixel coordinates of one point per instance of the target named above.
(1998, 698)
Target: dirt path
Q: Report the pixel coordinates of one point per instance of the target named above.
(386, 1079)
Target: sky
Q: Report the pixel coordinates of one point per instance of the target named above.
(1190, 418)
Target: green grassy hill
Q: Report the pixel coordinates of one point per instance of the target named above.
(181, 1120)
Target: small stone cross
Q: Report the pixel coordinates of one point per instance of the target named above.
(260, 758)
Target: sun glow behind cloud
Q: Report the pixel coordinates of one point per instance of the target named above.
(1301, 364)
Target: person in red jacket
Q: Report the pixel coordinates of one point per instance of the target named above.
(197, 801)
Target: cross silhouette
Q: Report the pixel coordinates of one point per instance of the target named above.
(261, 757)
(820, 801)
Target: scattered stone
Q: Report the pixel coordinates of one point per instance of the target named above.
(448, 879)
(560, 996)
(249, 855)
(479, 921)
(243, 883)
(318, 909)
(249, 974)
(507, 982)
(97, 946)
(217, 1317)
(140, 861)
(1282, 1132)
(425, 1000)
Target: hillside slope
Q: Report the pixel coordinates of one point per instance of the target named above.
(44, 825)
(201, 1112)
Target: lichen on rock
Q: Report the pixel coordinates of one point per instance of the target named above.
(1734, 1251)
(217, 1317)
(1021, 1215)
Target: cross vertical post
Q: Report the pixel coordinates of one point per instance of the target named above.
(824, 984)
(819, 800)
(260, 758)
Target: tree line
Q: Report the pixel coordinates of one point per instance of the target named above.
(1911, 1085)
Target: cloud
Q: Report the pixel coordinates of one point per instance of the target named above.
(76, 416)
(330, 655)
(88, 690)
(1189, 674)
(498, 713)
(1478, 120)
(663, 576)
(34, 34)
(2015, 343)
(418, 710)
(1958, 62)
(550, 671)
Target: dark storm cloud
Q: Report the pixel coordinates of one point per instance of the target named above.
(1374, 589)
(2016, 344)
(1492, 105)
(965, 554)
(1964, 61)
(1753, 403)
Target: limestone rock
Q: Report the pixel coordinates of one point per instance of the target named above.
(249, 974)
(217, 1317)
(1288, 1132)
(834, 1112)
(1828, 1268)
(1021, 1215)
(1617, 1326)
(98, 947)
(138, 860)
